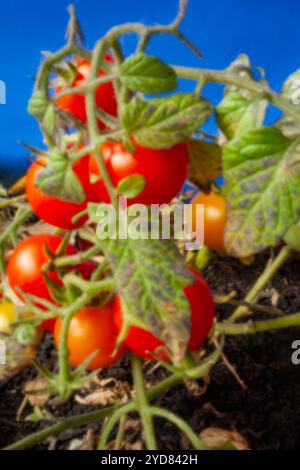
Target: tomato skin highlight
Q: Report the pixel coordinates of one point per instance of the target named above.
(214, 219)
(24, 268)
(164, 170)
(51, 209)
(143, 342)
(91, 329)
(75, 104)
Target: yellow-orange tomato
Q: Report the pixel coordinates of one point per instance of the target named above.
(7, 316)
(91, 330)
(214, 219)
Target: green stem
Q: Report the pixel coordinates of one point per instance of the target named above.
(81, 90)
(181, 424)
(121, 432)
(225, 77)
(143, 404)
(112, 422)
(12, 201)
(99, 51)
(256, 327)
(73, 260)
(263, 280)
(61, 426)
(81, 420)
(20, 218)
(63, 353)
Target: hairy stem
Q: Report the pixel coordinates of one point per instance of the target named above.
(262, 282)
(228, 78)
(143, 404)
(251, 327)
(181, 424)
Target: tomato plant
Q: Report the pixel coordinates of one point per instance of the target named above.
(156, 166)
(74, 103)
(52, 209)
(214, 219)
(162, 307)
(92, 330)
(144, 343)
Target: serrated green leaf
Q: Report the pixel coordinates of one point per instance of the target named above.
(291, 91)
(147, 74)
(262, 174)
(240, 110)
(150, 276)
(131, 186)
(58, 179)
(49, 120)
(163, 122)
(205, 163)
(38, 104)
(237, 114)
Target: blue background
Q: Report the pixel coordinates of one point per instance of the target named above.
(267, 30)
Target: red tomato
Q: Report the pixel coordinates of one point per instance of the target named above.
(214, 219)
(75, 103)
(143, 343)
(24, 269)
(91, 329)
(51, 209)
(164, 170)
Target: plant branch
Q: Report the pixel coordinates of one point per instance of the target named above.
(228, 78)
(263, 280)
(181, 424)
(143, 404)
(251, 327)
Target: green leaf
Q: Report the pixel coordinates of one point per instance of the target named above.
(240, 110)
(205, 163)
(146, 74)
(49, 120)
(150, 276)
(291, 91)
(262, 175)
(58, 179)
(163, 122)
(237, 114)
(38, 104)
(131, 186)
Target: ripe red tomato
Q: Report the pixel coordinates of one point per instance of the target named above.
(164, 170)
(143, 343)
(24, 269)
(91, 329)
(54, 210)
(214, 219)
(75, 103)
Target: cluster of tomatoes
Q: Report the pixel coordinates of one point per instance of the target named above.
(97, 328)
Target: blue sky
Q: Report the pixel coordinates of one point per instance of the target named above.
(267, 30)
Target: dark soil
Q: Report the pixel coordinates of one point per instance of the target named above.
(266, 413)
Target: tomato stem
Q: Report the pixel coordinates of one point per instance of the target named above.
(143, 404)
(225, 77)
(181, 424)
(251, 327)
(263, 280)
